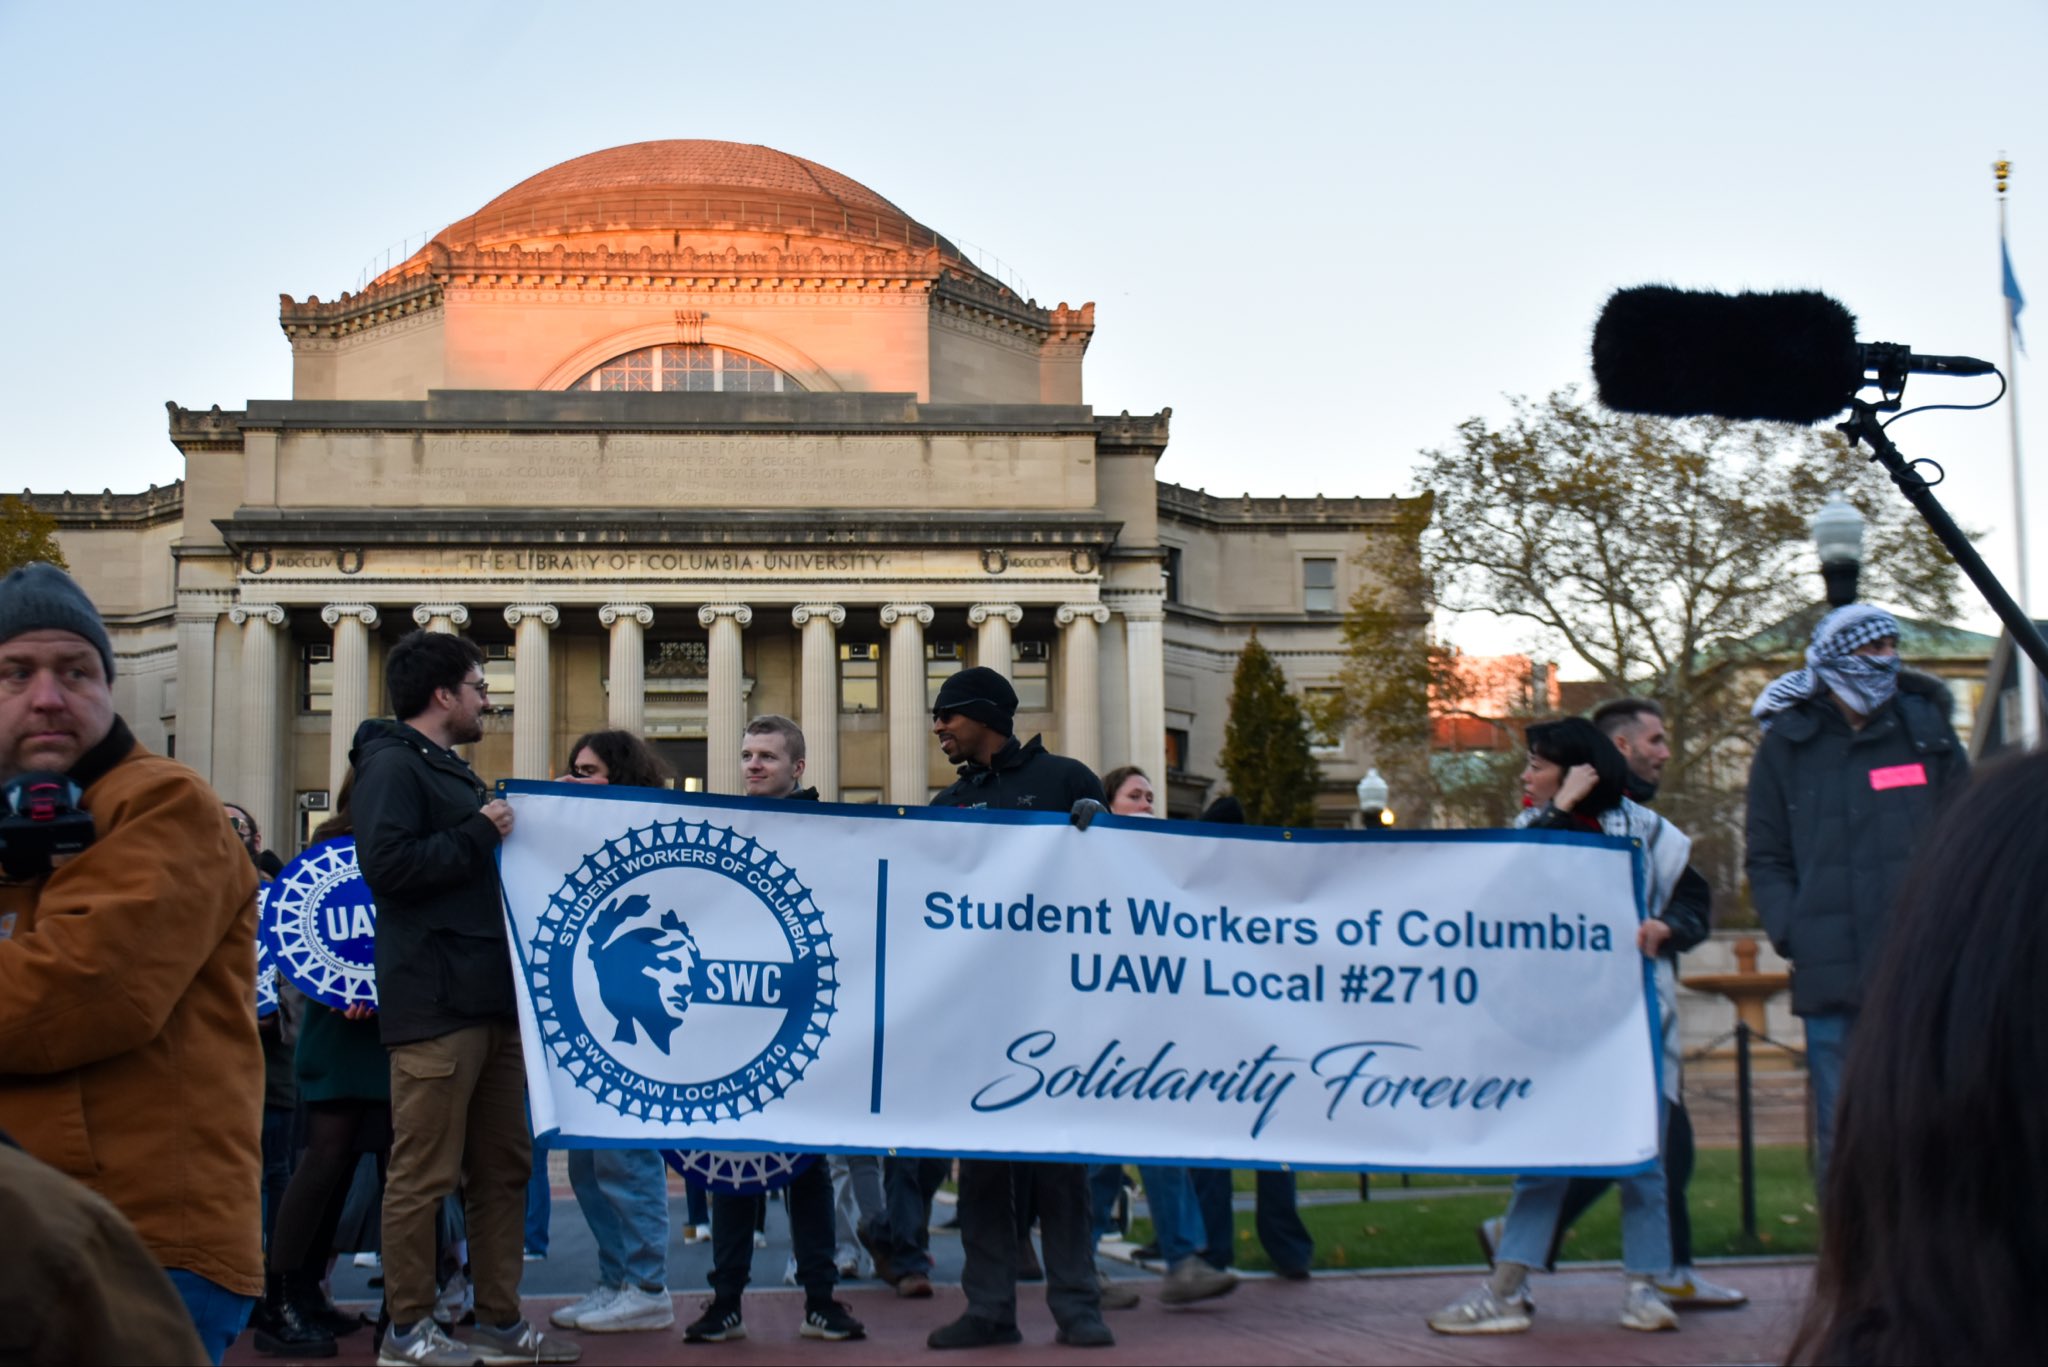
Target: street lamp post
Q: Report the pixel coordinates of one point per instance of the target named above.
(1373, 812)
(1838, 537)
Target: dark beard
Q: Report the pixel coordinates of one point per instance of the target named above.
(468, 733)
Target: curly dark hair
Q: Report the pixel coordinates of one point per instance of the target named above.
(628, 760)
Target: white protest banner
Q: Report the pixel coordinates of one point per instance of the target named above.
(702, 972)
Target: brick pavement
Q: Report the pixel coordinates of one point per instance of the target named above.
(1334, 1318)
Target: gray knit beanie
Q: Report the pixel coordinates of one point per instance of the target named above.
(41, 597)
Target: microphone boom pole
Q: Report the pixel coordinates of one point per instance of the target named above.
(1864, 427)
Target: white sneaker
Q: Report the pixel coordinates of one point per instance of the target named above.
(760, 1239)
(696, 1234)
(1644, 1308)
(571, 1315)
(1686, 1289)
(1479, 1311)
(368, 1260)
(456, 1302)
(632, 1308)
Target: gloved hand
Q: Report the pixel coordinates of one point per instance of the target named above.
(1084, 812)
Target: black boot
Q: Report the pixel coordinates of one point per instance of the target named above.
(318, 1309)
(281, 1328)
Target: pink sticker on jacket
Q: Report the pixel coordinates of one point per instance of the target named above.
(1899, 776)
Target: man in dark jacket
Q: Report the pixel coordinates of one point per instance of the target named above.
(427, 834)
(974, 722)
(772, 766)
(1857, 758)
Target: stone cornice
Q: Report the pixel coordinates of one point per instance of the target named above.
(439, 274)
(1145, 434)
(106, 509)
(1200, 506)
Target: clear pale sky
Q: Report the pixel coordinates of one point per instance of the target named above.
(1323, 234)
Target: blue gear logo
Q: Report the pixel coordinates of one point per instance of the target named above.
(683, 973)
(321, 925)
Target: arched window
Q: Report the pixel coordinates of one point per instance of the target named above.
(702, 369)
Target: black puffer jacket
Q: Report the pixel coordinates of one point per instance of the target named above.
(1023, 778)
(429, 856)
(1835, 815)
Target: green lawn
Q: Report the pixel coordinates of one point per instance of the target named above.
(1437, 1231)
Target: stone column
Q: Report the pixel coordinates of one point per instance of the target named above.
(533, 693)
(197, 623)
(626, 707)
(1145, 668)
(819, 714)
(257, 788)
(1080, 682)
(351, 702)
(725, 712)
(909, 712)
(992, 623)
(446, 618)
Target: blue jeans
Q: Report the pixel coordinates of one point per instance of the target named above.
(624, 1196)
(1176, 1217)
(540, 1201)
(1278, 1219)
(1105, 1184)
(1827, 1042)
(1538, 1206)
(217, 1313)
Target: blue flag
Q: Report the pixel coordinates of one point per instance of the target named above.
(2013, 296)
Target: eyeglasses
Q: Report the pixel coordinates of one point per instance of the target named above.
(242, 824)
(483, 689)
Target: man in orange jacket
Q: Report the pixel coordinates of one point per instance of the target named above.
(129, 1056)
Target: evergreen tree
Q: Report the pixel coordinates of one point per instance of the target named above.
(1266, 753)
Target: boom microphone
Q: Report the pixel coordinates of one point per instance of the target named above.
(1789, 356)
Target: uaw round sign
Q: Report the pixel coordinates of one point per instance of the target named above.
(266, 963)
(738, 1174)
(682, 973)
(321, 926)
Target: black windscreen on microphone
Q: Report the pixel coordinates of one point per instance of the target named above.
(1789, 356)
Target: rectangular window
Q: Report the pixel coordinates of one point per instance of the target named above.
(1317, 702)
(316, 678)
(942, 660)
(1173, 574)
(1031, 676)
(1176, 750)
(1319, 585)
(860, 677)
(498, 676)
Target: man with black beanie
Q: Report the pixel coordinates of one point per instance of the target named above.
(974, 721)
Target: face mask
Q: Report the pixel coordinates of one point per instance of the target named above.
(1865, 682)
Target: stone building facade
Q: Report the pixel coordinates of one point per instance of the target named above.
(682, 432)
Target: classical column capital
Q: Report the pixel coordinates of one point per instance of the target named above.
(831, 612)
(423, 614)
(981, 612)
(711, 612)
(362, 612)
(891, 612)
(1138, 605)
(610, 613)
(264, 612)
(547, 614)
(1071, 613)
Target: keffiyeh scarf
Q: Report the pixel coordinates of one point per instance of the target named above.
(1864, 682)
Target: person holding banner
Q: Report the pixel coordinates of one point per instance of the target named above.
(427, 834)
(974, 721)
(772, 766)
(344, 1086)
(1576, 780)
(623, 1193)
(129, 1057)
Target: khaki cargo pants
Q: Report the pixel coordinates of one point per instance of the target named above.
(458, 1118)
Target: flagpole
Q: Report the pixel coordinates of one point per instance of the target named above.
(2030, 682)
